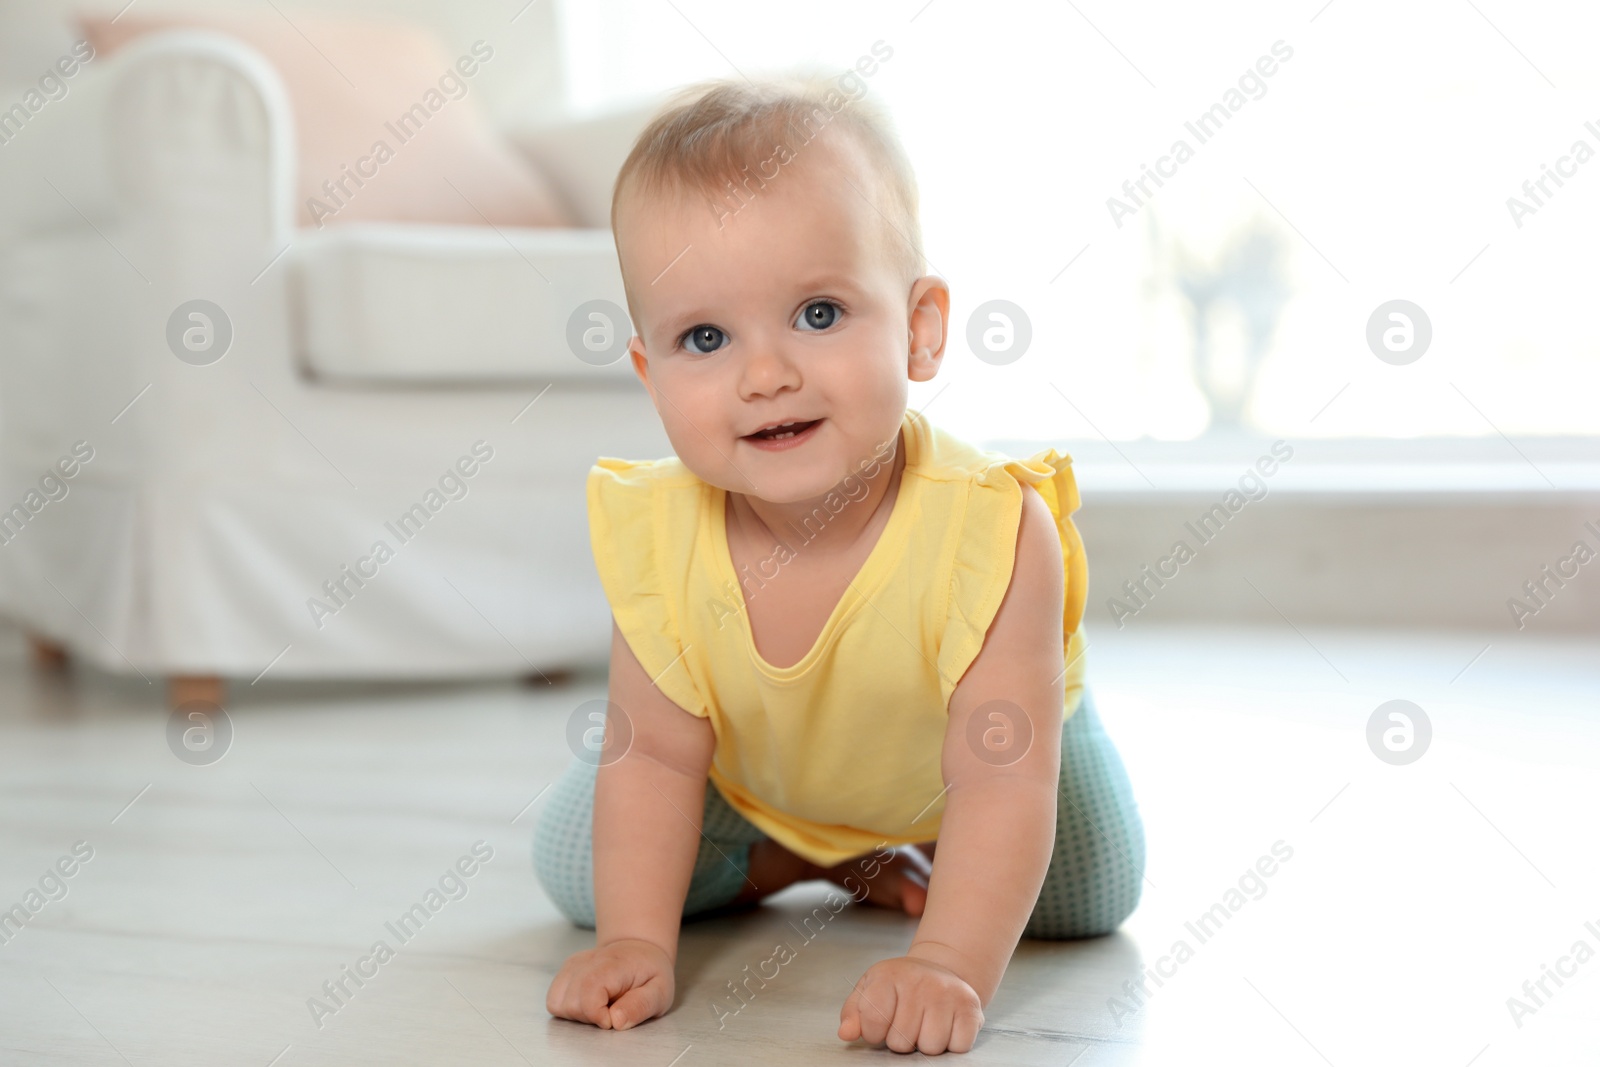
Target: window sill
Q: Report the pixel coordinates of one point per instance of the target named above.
(1422, 533)
(1493, 471)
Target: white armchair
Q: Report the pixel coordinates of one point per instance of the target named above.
(395, 385)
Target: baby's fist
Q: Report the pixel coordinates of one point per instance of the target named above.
(614, 986)
(912, 1003)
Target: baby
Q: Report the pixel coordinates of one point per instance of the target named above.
(860, 630)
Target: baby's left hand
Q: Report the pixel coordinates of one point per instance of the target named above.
(914, 1004)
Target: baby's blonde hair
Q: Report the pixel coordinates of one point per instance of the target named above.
(718, 137)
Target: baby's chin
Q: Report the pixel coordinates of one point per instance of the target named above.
(780, 487)
(782, 477)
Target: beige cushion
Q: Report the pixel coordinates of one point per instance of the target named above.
(350, 81)
(452, 305)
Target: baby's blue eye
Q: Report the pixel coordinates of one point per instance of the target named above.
(704, 339)
(819, 315)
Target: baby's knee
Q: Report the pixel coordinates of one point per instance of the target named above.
(1095, 878)
(563, 859)
(566, 877)
(1090, 915)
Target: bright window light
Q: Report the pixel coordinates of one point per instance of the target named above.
(1361, 236)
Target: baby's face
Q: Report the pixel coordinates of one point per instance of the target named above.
(791, 308)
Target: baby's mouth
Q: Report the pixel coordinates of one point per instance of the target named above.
(779, 433)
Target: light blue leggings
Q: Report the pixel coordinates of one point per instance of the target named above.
(1093, 883)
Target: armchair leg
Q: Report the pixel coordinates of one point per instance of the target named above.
(47, 654)
(183, 688)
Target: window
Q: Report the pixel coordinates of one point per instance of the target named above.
(1336, 160)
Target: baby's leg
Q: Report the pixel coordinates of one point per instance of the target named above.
(1097, 868)
(900, 882)
(564, 863)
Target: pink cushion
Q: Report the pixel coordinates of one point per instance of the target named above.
(351, 80)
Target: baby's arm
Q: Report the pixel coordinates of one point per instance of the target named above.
(999, 821)
(647, 811)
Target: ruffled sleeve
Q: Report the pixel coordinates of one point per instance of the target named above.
(986, 554)
(626, 524)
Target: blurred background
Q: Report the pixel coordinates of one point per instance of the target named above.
(311, 329)
(387, 217)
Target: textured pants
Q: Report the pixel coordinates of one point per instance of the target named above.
(1093, 882)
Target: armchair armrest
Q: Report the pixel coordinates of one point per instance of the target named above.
(409, 304)
(185, 128)
(163, 177)
(200, 130)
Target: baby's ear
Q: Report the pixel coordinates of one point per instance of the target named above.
(641, 366)
(929, 314)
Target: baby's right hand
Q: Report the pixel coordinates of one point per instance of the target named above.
(615, 986)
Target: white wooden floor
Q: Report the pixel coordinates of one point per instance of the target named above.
(220, 898)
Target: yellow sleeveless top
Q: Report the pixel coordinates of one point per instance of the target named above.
(839, 753)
